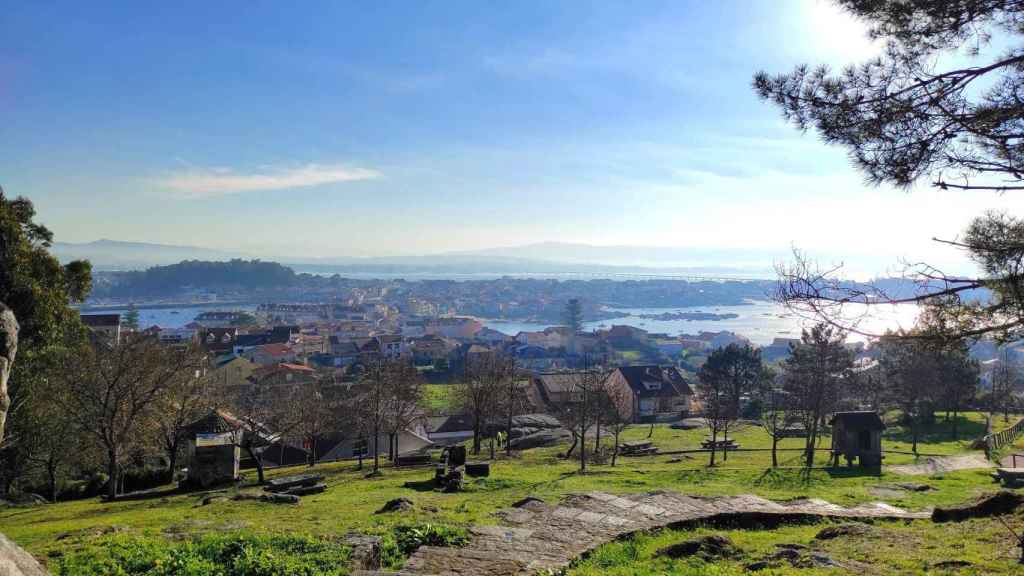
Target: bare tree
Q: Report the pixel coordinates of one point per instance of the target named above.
(314, 410)
(258, 406)
(615, 411)
(186, 399)
(777, 417)
(576, 409)
(814, 374)
(383, 399)
(405, 396)
(1007, 380)
(481, 391)
(514, 401)
(111, 391)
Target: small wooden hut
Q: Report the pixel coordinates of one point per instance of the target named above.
(857, 436)
(213, 452)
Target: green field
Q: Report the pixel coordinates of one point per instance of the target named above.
(439, 398)
(350, 503)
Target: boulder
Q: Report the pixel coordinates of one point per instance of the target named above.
(541, 439)
(365, 551)
(478, 469)
(526, 501)
(850, 529)
(396, 505)
(708, 548)
(305, 490)
(14, 561)
(287, 482)
(453, 482)
(275, 498)
(537, 421)
(8, 350)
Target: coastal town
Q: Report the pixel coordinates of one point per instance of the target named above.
(533, 288)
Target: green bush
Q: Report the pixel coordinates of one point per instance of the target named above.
(404, 540)
(216, 555)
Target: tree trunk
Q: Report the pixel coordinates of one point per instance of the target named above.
(812, 440)
(583, 448)
(476, 437)
(172, 461)
(492, 447)
(725, 440)
(597, 441)
(508, 430)
(257, 460)
(650, 432)
(775, 444)
(376, 450)
(714, 445)
(572, 447)
(51, 472)
(615, 451)
(956, 418)
(112, 473)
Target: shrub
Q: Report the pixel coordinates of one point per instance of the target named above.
(409, 538)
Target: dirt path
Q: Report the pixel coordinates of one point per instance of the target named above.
(537, 536)
(940, 464)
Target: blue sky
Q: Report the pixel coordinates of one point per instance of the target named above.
(336, 129)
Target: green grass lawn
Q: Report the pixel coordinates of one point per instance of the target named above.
(351, 500)
(887, 547)
(439, 398)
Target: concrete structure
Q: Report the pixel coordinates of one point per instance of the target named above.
(857, 435)
(213, 452)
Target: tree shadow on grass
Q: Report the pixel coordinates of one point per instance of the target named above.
(854, 471)
(421, 485)
(805, 477)
(938, 432)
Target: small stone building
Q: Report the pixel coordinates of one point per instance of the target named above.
(213, 452)
(857, 435)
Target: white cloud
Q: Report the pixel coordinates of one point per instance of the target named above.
(206, 182)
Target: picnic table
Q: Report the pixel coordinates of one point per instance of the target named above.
(729, 444)
(637, 448)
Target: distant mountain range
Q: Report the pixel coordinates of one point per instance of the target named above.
(542, 258)
(117, 255)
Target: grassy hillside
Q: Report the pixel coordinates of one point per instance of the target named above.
(350, 503)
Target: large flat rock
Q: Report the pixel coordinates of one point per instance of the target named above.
(537, 536)
(16, 562)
